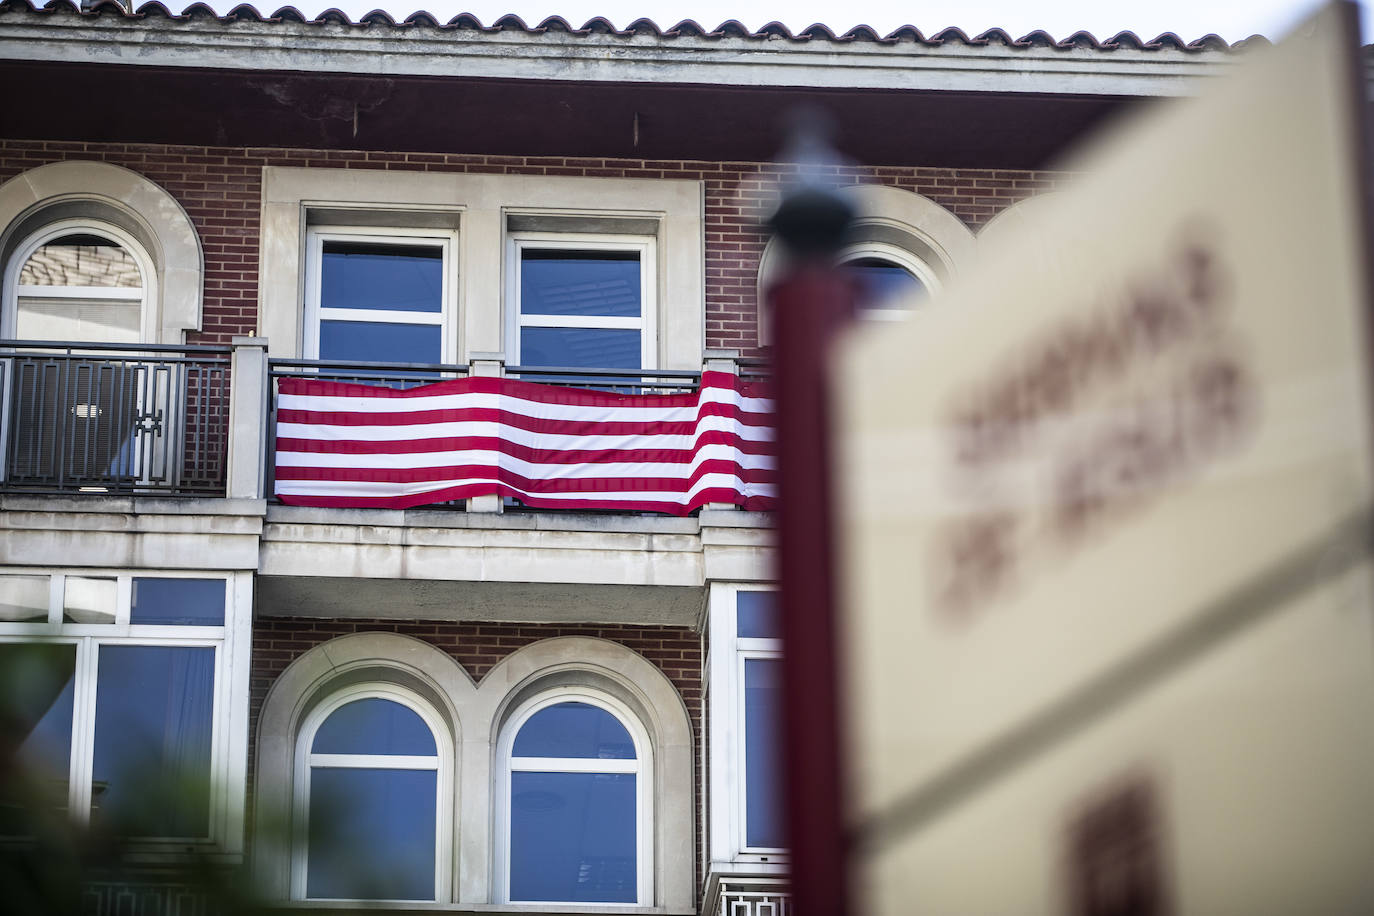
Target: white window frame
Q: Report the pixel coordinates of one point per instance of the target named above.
(646, 323)
(55, 230)
(447, 317)
(900, 257)
(726, 724)
(442, 763)
(166, 388)
(229, 711)
(642, 766)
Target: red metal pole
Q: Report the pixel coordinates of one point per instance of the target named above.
(808, 305)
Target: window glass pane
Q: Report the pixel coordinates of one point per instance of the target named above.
(98, 320)
(189, 602)
(23, 598)
(371, 834)
(883, 284)
(374, 726)
(36, 705)
(374, 341)
(591, 348)
(574, 730)
(756, 615)
(152, 739)
(81, 260)
(89, 599)
(601, 283)
(363, 275)
(573, 837)
(762, 709)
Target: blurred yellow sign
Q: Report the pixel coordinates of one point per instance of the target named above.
(1105, 588)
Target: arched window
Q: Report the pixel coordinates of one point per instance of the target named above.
(891, 279)
(901, 245)
(79, 280)
(126, 212)
(374, 790)
(574, 802)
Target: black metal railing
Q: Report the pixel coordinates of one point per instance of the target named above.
(84, 417)
(619, 381)
(392, 375)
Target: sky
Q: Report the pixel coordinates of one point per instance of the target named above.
(1190, 19)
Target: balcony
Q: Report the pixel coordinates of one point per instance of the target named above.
(92, 418)
(495, 447)
(80, 420)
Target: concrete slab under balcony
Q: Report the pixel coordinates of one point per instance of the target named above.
(515, 566)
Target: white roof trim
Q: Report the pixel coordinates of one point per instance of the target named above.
(753, 62)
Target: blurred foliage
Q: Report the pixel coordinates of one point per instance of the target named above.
(49, 861)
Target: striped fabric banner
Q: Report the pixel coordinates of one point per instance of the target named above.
(343, 444)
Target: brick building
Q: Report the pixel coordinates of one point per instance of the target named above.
(490, 703)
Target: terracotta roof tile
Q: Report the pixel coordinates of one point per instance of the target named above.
(731, 28)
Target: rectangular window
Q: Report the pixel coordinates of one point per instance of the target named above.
(380, 296)
(119, 683)
(745, 712)
(582, 301)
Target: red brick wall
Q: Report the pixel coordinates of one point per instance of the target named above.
(220, 189)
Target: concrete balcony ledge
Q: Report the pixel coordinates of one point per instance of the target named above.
(735, 518)
(130, 532)
(434, 545)
(442, 518)
(132, 505)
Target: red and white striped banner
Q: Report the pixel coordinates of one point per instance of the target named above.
(343, 444)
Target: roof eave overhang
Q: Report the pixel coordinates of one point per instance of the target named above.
(762, 61)
(329, 85)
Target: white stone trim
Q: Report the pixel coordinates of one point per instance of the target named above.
(931, 235)
(480, 204)
(476, 716)
(85, 190)
(1015, 218)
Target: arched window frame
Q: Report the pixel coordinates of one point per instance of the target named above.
(444, 801)
(477, 717)
(9, 311)
(899, 256)
(893, 224)
(644, 785)
(87, 190)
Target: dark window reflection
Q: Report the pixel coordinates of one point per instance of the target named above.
(363, 275)
(371, 834)
(884, 284)
(178, 602)
(374, 726)
(374, 341)
(574, 730)
(756, 615)
(599, 283)
(573, 837)
(152, 739)
(36, 694)
(762, 707)
(591, 348)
